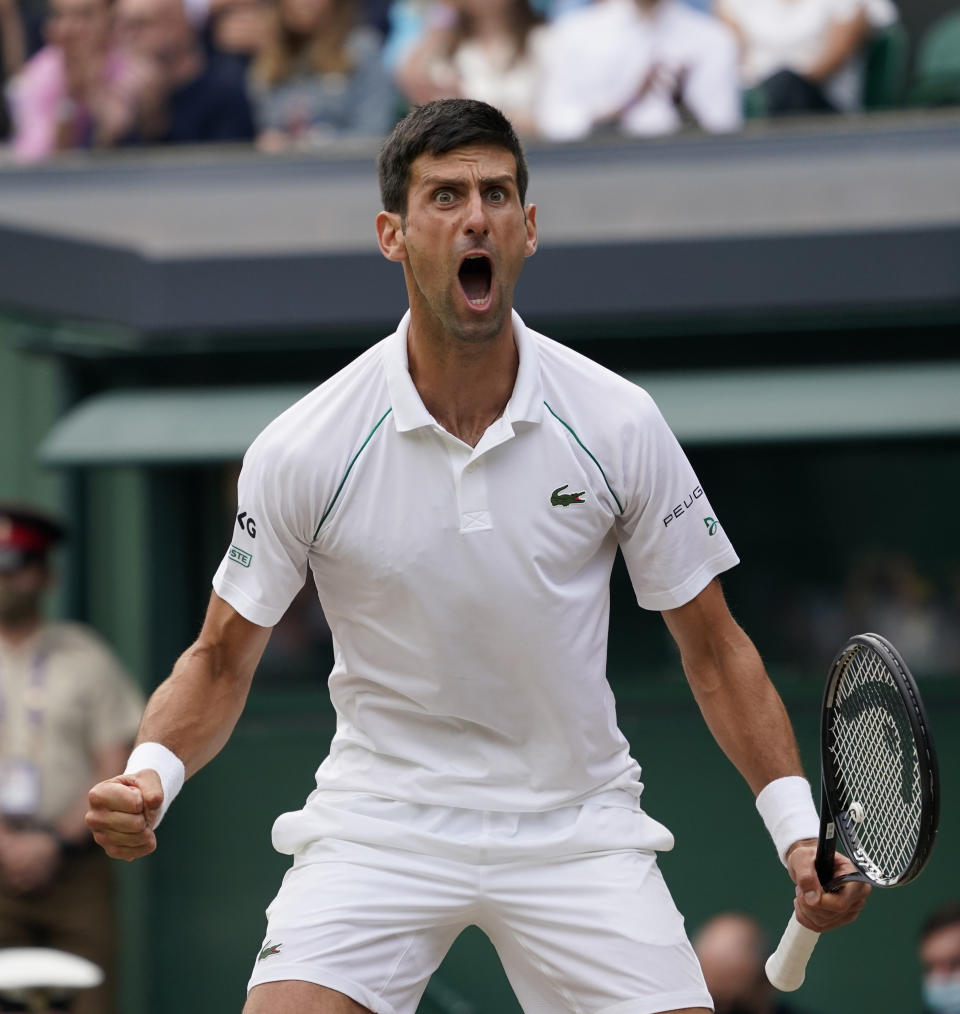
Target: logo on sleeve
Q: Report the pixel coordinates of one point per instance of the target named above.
(560, 499)
(268, 950)
(682, 508)
(247, 524)
(711, 526)
(240, 556)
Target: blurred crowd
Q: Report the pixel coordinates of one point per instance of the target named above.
(290, 74)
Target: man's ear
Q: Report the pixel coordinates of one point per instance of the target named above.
(393, 244)
(530, 215)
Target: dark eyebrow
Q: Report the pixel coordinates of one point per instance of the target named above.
(496, 181)
(438, 183)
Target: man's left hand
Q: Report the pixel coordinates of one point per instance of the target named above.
(816, 908)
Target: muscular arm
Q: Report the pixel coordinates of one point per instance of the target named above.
(739, 703)
(192, 713)
(750, 724)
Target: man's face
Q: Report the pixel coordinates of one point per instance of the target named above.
(21, 593)
(157, 29)
(940, 953)
(78, 26)
(464, 239)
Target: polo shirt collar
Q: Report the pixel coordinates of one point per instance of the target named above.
(409, 412)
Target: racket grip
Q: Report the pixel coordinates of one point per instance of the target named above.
(787, 966)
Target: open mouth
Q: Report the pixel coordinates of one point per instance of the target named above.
(476, 280)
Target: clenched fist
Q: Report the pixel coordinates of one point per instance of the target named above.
(123, 812)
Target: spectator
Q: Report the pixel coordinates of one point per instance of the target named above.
(42, 980)
(639, 65)
(732, 949)
(78, 91)
(68, 714)
(408, 22)
(805, 55)
(204, 97)
(237, 28)
(939, 952)
(319, 75)
(487, 50)
(12, 55)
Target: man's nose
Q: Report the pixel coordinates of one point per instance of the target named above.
(475, 222)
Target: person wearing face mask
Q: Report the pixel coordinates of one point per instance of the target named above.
(732, 948)
(939, 953)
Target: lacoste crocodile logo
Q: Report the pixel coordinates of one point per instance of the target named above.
(560, 499)
(268, 950)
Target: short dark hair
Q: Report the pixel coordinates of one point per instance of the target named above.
(940, 918)
(436, 128)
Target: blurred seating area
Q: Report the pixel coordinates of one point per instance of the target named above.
(294, 74)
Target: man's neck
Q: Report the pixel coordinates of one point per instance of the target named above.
(464, 386)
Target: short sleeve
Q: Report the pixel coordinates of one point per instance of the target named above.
(670, 536)
(266, 563)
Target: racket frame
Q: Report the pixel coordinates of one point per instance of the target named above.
(835, 823)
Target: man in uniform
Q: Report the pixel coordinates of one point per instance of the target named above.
(68, 714)
(459, 493)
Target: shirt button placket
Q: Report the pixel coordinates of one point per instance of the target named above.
(474, 509)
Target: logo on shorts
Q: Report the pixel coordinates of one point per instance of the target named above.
(560, 499)
(268, 950)
(241, 557)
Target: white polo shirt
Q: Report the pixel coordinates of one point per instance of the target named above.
(467, 589)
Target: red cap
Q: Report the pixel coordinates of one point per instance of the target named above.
(28, 530)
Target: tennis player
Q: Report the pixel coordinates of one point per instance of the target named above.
(459, 493)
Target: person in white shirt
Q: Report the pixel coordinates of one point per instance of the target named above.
(459, 493)
(805, 55)
(642, 66)
(481, 49)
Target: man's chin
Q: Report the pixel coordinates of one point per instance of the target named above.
(474, 328)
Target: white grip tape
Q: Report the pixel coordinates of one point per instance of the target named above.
(787, 966)
(156, 757)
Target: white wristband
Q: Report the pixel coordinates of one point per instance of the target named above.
(786, 805)
(156, 757)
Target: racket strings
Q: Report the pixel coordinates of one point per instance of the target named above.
(876, 766)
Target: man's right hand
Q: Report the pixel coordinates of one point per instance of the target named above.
(123, 811)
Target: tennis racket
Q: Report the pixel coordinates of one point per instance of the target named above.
(880, 792)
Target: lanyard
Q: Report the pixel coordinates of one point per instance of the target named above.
(35, 696)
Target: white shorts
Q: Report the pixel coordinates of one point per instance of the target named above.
(580, 917)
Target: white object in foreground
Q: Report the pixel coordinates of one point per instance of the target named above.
(42, 967)
(787, 966)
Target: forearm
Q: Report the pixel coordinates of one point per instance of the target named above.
(194, 711)
(843, 41)
(744, 712)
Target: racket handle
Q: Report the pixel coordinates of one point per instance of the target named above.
(787, 966)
